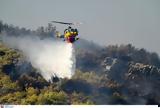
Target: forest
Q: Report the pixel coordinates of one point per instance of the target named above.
(110, 75)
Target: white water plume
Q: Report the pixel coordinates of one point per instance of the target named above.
(50, 57)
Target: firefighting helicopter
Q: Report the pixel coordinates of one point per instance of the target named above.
(70, 34)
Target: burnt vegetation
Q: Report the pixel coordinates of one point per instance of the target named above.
(104, 75)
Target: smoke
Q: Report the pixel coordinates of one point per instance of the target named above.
(51, 58)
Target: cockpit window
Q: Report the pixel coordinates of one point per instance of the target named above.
(72, 30)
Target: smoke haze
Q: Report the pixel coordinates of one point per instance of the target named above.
(49, 57)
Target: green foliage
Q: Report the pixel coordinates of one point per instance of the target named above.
(56, 98)
(31, 91)
(12, 98)
(6, 85)
(90, 77)
(30, 100)
(31, 96)
(6, 82)
(20, 95)
(11, 56)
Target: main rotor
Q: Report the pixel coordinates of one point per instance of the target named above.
(66, 23)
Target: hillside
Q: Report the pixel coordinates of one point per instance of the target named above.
(104, 75)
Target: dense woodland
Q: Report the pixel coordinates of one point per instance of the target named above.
(114, 74)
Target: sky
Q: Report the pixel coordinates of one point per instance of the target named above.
(104, 21)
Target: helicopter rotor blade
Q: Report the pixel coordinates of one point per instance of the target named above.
(62, 22)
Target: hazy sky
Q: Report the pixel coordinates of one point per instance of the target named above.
(104, 21)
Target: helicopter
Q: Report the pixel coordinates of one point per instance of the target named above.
(70, 34)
